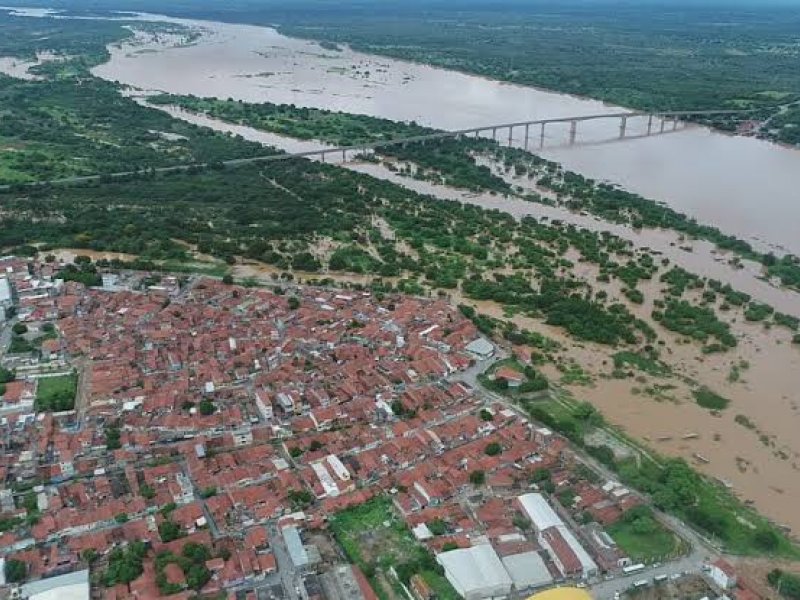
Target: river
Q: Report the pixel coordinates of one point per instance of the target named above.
(745, 186)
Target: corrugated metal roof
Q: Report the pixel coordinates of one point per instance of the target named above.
(476, 569)
(294, 545)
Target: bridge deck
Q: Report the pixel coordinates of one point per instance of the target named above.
(343, 150)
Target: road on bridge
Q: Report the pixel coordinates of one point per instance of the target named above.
(365, 147)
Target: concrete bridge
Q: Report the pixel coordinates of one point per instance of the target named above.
(663, 121)
(660, 121)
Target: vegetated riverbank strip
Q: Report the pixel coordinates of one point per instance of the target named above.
(605, 201)
(723, 522)
(654, 61)
(240, 207)
(357, 147)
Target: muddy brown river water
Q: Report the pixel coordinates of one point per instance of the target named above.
(747, 187)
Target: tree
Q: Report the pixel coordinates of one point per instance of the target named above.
(125, 565)
(169, 530)
(197, 576)
(209, 492)
(121, 518)
(295, 451)
(294, 302)
(493, 449)
(196, 552)
(437, 527)
(112, 438)
(766, 539)
(300, 498)
(486, 415)
(15, 570)
(6, 375)
(19, 328)
(449, 546)
(521, 522)
(788, 583)
(540, 475)
(316, 445)
(147, 491)
(206, 407)
(227, 279)
(477, 477)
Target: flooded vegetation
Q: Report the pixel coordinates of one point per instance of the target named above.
(747, 190)
(682, 332)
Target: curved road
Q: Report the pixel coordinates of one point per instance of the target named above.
(701, 550)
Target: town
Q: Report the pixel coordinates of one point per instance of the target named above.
(179, 436)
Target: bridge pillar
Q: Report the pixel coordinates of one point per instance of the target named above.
(510, 135)
(344, 155)
(663, 123)
(527, 131)
(322, 156)
(623, 125)
(494, 133)
(675, 124)
(649, 124)
(573, 130)
(541, 136)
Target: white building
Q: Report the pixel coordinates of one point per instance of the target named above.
(481, 348)
(543, 517)
(264, 405)
(72, 586)
(6, 297)
(723, 574)
(527, 570)
(476, 572)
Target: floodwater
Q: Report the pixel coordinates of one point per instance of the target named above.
(21, 69)
(765, 473)
(703, 259)
(745, 186)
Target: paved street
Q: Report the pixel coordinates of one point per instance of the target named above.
(701, 551)
(5, 336)
(288, 575)
(605, 590)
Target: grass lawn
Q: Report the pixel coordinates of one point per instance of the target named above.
(644, 546)
(56, 393)
(529, 388)
(19, 345)
(375, 538)
(368, 541)
(440, 586)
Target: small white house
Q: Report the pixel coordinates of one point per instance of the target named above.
(723, 574)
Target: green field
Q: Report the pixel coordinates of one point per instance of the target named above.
(643, 538)
(376, 539)
(56, 393)
(675, 488)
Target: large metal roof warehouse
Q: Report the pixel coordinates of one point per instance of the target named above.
(476, 572)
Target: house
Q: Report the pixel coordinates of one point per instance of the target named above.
(420, 588)
(512, 377)
(480, 348)
(723, 574)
